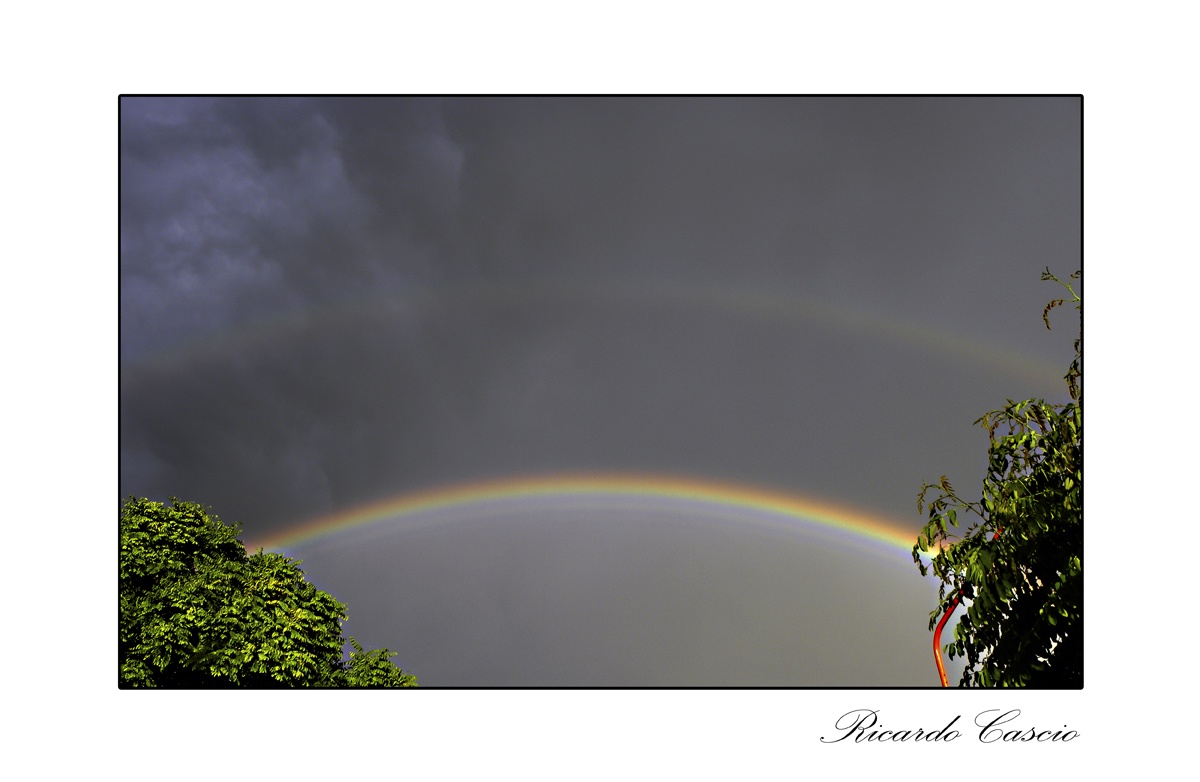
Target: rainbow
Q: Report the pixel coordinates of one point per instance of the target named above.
(782, 308)
(724, 501)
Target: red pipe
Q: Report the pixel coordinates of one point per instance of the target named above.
(937, 640)
(937, 634)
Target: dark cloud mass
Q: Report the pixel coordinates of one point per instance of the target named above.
(330, 301)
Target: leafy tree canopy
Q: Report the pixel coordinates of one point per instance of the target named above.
(1019, 562)
(195, 610)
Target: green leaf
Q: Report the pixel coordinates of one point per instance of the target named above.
(1031, 493)
(193, 609)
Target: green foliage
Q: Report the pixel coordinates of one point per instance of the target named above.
(195, 610)
(373, 669)
(1019, 564)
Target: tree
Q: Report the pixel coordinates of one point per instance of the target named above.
(195, 610)
(1019, 565)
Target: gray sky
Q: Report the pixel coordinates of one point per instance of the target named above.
(326, 302)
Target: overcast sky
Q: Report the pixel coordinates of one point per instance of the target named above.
(327, 302)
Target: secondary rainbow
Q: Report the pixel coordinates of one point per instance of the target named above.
(740, 502)
(780, 308)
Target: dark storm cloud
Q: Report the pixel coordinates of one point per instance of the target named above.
(327, 301)
(876, 203)
(234, 210)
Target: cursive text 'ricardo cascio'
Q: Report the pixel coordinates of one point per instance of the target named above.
(863, 725)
